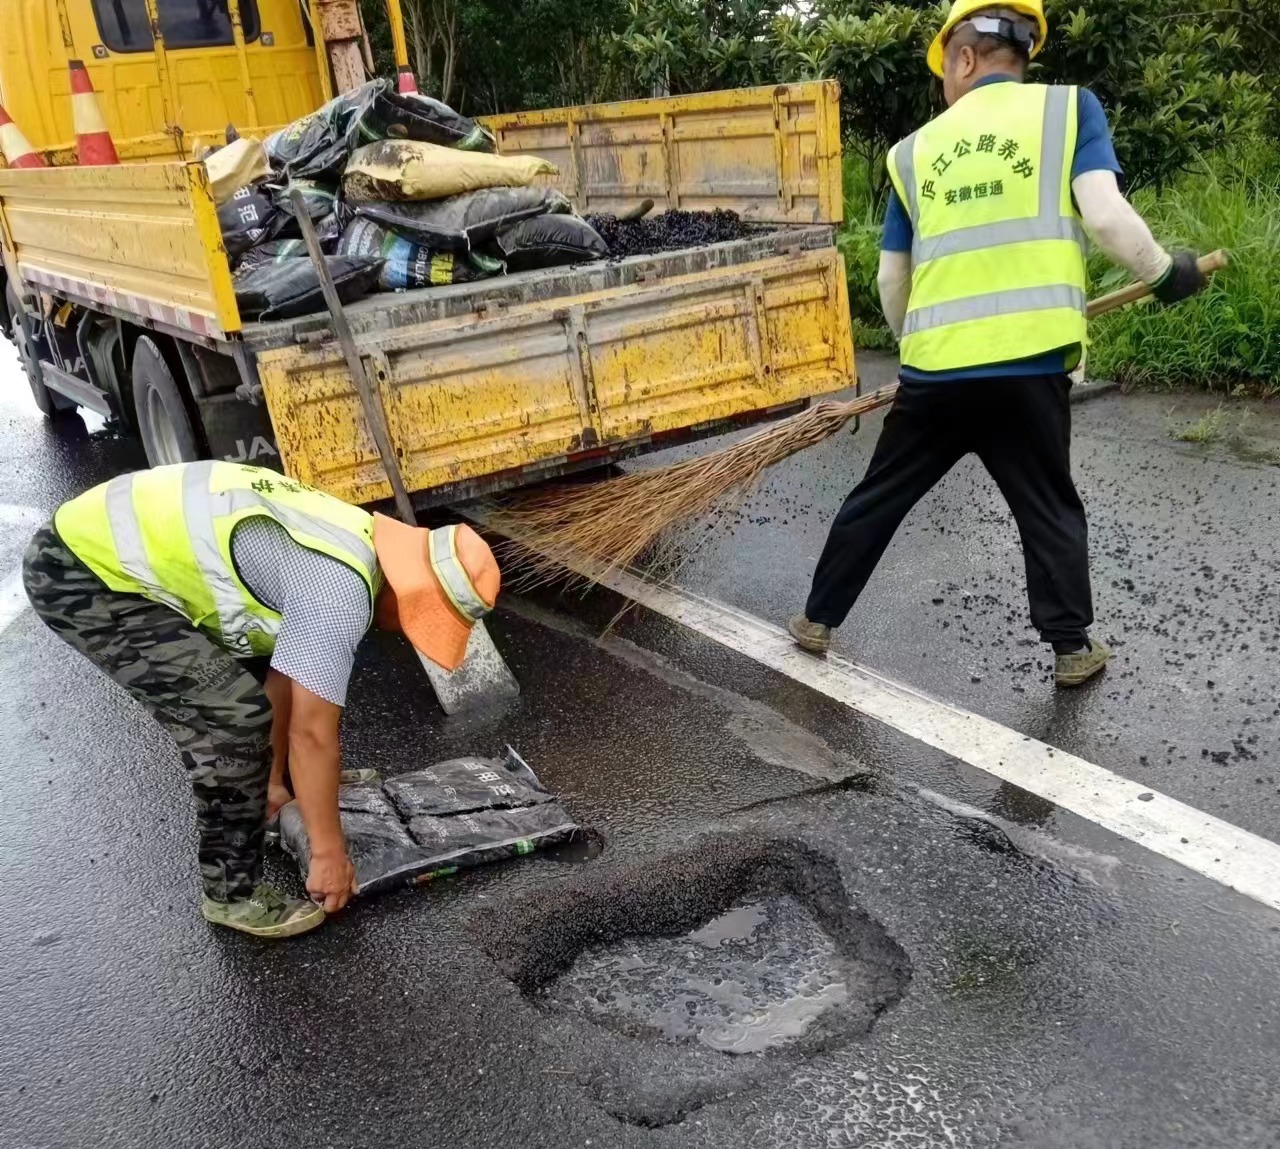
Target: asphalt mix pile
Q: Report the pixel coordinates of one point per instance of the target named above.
(670, 231)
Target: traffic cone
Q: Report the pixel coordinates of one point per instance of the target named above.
(407, 82)
(18, 152)
(93, 141)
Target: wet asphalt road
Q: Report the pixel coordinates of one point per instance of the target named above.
(1056, 987)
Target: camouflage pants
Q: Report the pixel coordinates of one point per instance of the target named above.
(216, 711)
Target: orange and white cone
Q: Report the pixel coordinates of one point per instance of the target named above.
(93, 141)
(18, 152)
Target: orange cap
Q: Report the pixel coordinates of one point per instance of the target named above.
(444, 580)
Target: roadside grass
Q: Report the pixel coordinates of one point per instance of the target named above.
(1206, 429)
(1226, 340)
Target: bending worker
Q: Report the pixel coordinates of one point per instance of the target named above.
(172, 580)
(982, 278)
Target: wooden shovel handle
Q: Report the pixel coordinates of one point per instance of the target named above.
(1208, 264)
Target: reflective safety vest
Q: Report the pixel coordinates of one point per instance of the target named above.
(166, 534)
(998, 266)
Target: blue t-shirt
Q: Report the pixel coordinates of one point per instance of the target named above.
(1094, 152)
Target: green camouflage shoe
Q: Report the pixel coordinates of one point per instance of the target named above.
(266, 913)
(1073, 669)
(811, 636)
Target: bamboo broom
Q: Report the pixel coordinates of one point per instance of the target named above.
(608, 525)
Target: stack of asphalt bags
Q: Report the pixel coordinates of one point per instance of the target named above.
(403, 193)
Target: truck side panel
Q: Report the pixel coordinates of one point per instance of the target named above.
(770, 154)
(142, 239)
(468, 397)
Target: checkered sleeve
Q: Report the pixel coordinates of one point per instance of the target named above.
(326, 611)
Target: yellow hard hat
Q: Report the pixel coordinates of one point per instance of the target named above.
(962, 9)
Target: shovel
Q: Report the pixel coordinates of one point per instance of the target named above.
(484, 679)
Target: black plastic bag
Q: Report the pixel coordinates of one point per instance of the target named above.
(408, 265)
(389, 849)
(462, 222)
(317, 146)
(396, 115)
(549, 241)
(250, 217)
(487, 829)
(461, 785)
(328, 214)
(291, 287)
(319, 196)
(378, 843)
(276, 251)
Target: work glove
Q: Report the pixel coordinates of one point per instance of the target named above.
(1181, 281)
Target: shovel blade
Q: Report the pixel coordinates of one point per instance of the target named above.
(483, 680)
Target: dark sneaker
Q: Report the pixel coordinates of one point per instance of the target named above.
(266, 913)
(810, 636)
(1073, 669)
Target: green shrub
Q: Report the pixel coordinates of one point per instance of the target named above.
(859, 243)
(1176, 79)
(1228, 336)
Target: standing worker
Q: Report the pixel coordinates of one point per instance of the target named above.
(982, 278)
(170, 580)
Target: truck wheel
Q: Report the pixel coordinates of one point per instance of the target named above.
(164, 424)
(52, 406)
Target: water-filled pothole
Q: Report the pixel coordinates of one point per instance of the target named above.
(759, 976)
(735, 945)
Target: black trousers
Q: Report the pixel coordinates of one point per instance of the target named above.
(1020, 427)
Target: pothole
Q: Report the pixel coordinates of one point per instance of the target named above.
(762, 975)
(740, 948)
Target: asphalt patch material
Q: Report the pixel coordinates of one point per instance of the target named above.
(670, 231)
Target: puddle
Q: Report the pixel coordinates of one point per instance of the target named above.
(758, 977)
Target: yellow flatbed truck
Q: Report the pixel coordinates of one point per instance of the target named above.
(118, 294)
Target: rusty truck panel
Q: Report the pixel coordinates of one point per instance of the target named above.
(770, 154)
(470, 396)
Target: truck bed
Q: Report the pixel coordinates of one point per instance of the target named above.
(390, 311)
(542, 370)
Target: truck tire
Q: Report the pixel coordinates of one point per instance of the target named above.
(164, 423)
(52, 406)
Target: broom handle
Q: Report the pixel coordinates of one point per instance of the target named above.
(1208, 264)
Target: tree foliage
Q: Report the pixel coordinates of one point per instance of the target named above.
(485, 56)
(1177, 76)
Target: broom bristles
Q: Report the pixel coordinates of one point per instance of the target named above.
(611, 523)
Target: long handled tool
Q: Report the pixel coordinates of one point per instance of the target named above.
(610, 524)
(483, 679)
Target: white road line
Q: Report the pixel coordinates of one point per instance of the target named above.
(13, 600)
(16, 520)
(1208, 845)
